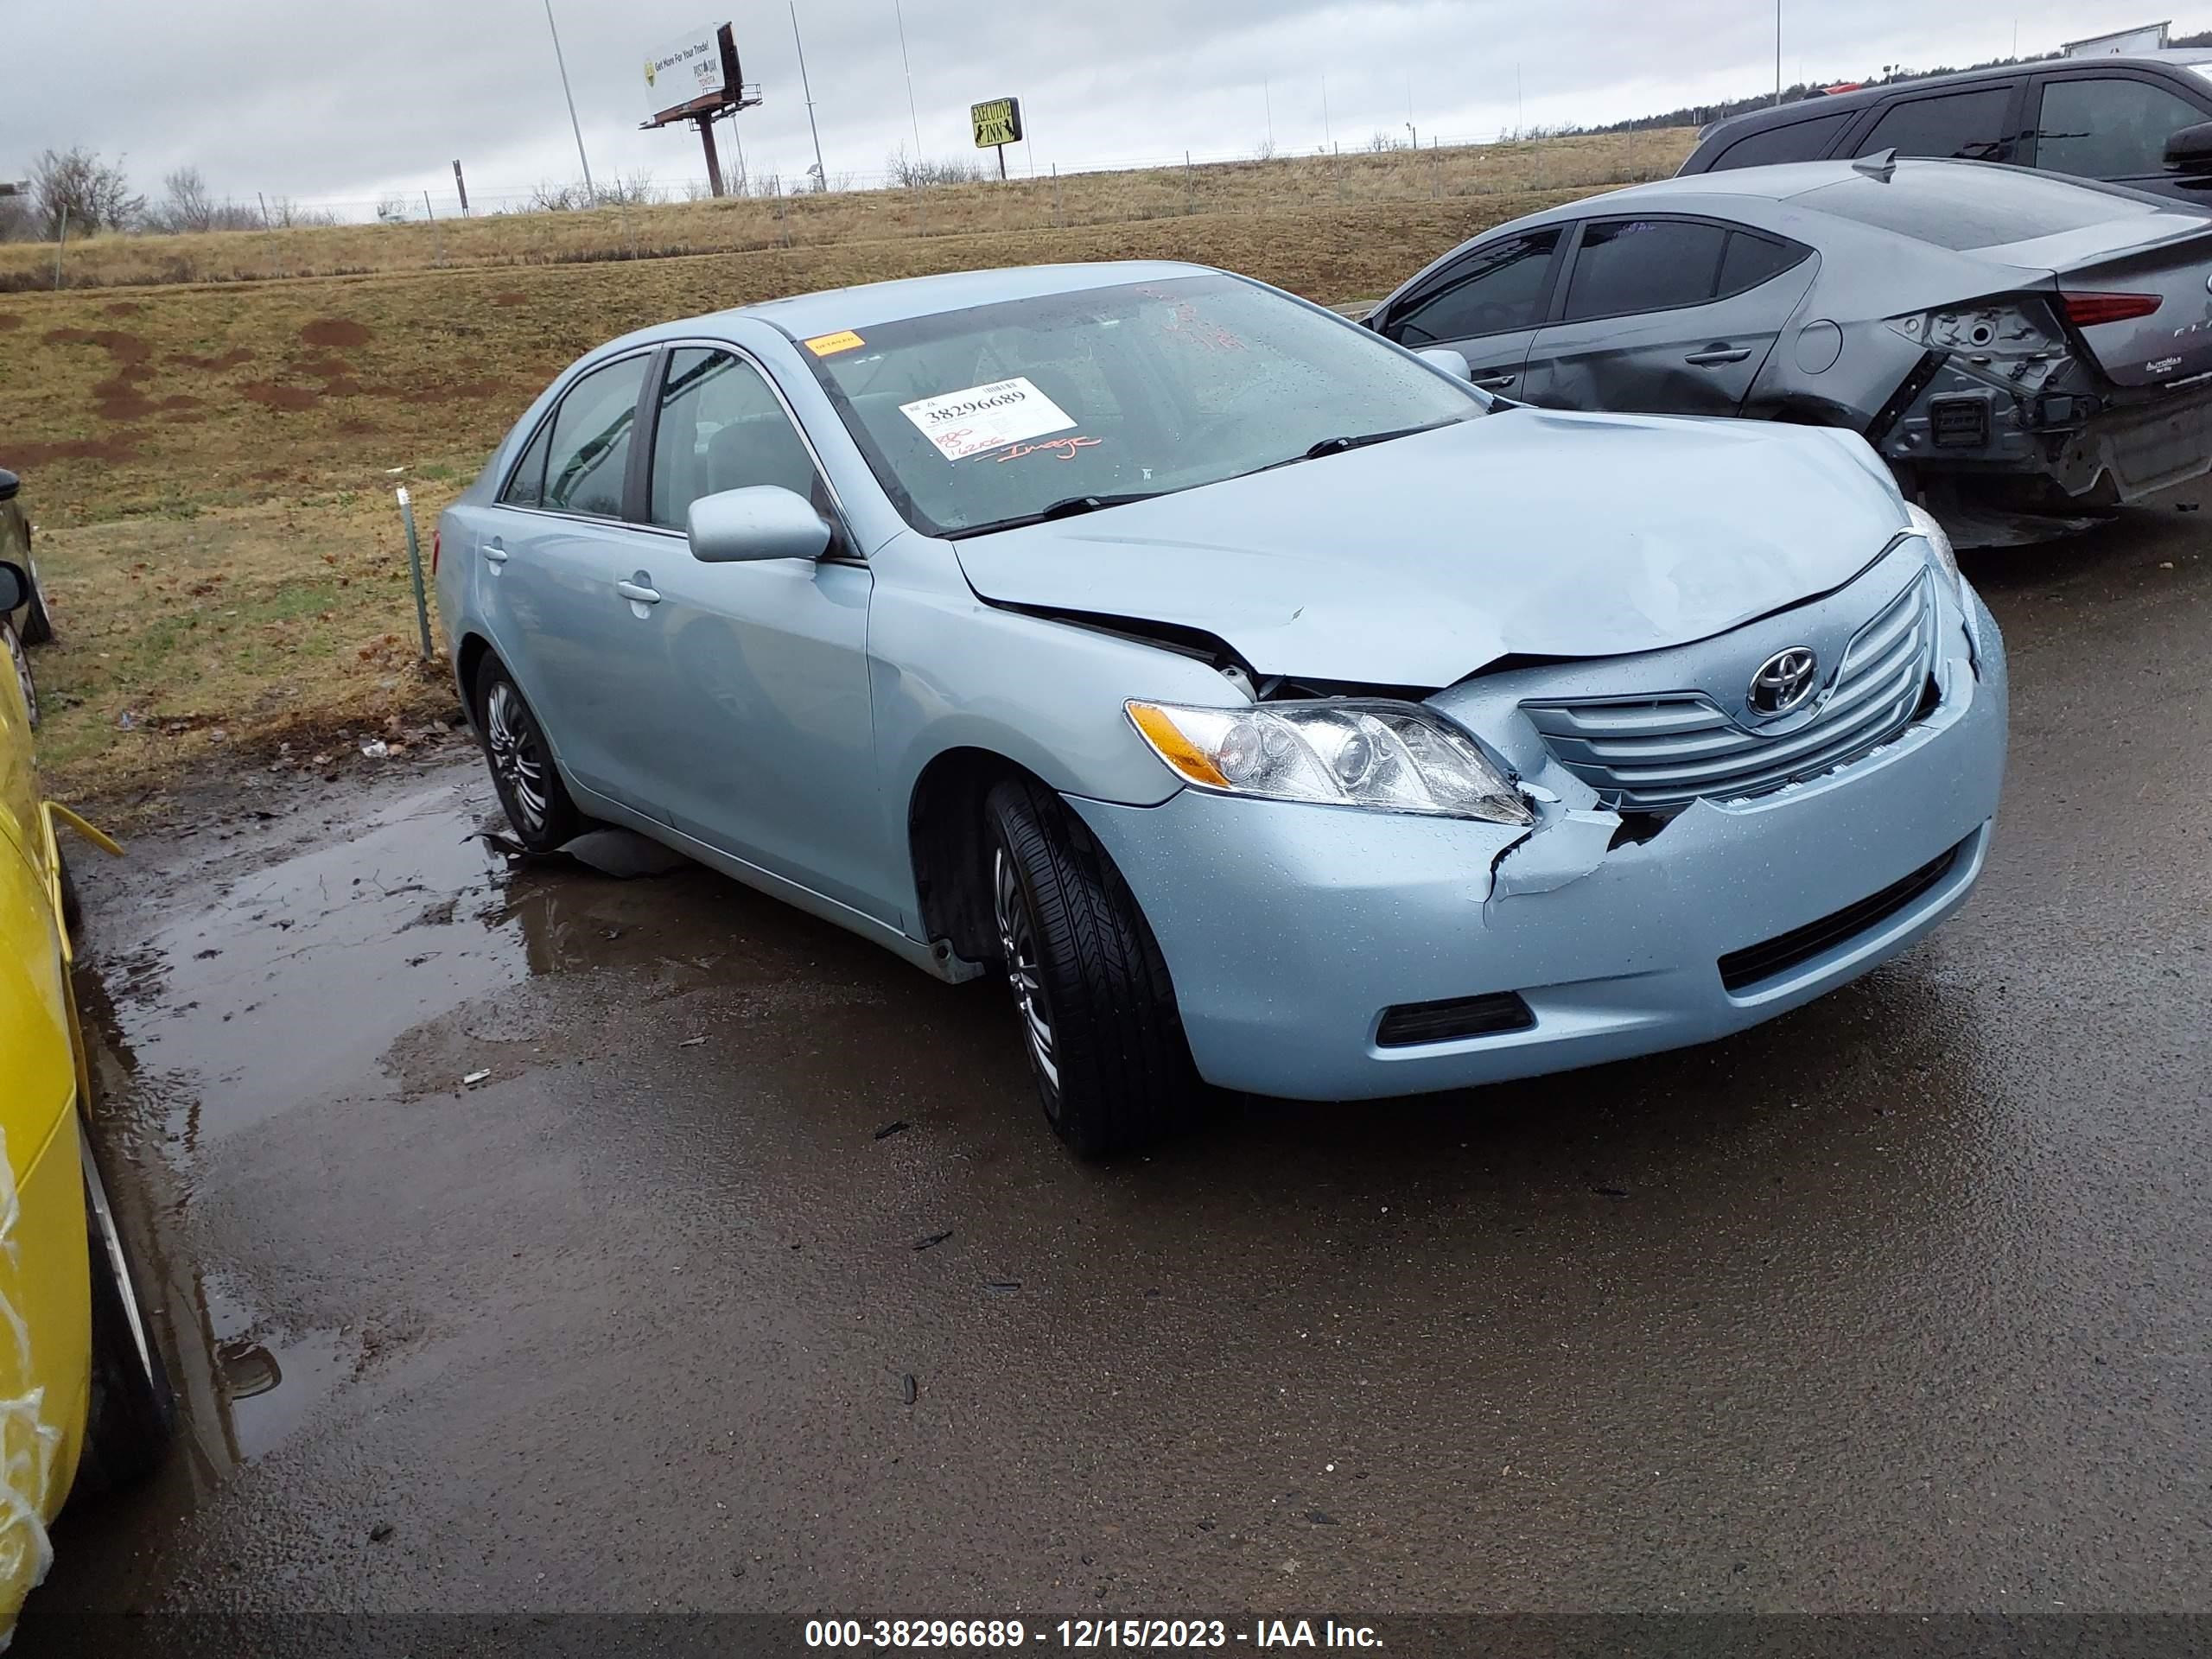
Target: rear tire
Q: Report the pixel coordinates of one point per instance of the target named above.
(133, 1408)
(1098, 1009)
(537, 803)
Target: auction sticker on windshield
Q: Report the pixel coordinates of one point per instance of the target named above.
(963, 424)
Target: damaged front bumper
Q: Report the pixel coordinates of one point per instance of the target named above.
(1292, 933)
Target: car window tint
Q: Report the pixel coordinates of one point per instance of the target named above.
(1965, 207)
(1801, 141)
(1753, 259)
(527, 482)
(1498, 288)
(1627, 265)
(590, 450)
(720, 428)
(1968, 126)
(2105, 127)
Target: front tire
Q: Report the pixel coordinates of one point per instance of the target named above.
(1098, 1009)
(133, 1410)
(537, 803)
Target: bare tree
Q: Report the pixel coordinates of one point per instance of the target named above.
(284, 213)
(94, 196)
(634, 189)
(186, 205)
(920, 172)
(1264, 150)
(16, 219)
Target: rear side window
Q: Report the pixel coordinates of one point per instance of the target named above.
(527, 485)
(2108, 127)
(1628, 266)
(1753, 259)
(1974, 208)
(590, 450)
(1801, 141)
(1495, 290)
(1957, 126)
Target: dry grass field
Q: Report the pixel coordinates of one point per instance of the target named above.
(752, 224)
(210, 466)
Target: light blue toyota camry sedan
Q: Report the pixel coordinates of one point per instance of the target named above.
(1266, 705)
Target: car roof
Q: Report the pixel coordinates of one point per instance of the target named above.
(1810, 108)
(1783, 181)
(803, 316)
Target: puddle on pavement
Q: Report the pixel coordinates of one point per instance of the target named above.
(297, 984)
(267, 1380)
(294, 984)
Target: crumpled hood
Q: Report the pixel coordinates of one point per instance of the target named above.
(1416, 563)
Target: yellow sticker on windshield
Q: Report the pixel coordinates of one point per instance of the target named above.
(830, 345)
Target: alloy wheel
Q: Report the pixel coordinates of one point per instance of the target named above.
(1018, 949)
(517, 757)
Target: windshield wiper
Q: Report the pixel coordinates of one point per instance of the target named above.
(1336, 446)
(1072, 506)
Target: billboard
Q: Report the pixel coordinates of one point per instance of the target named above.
(692, 73)
(2127, 43)
(997, 121)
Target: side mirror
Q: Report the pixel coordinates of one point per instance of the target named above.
(763, 522)
(14, 589)
(2190, 150)
(1451, 362)
(8, 484)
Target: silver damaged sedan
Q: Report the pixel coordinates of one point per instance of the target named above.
(1263, 705)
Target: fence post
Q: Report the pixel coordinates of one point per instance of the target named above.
(60, 244)
(1190, 186)
(263, 200)
(1059, 208)
(415, 570)
(780, 223)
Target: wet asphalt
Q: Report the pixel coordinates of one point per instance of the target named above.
(746, 1276)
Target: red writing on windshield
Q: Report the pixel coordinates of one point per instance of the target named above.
(1062, 448)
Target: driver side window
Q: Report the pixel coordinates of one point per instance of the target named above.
(721, 428)
(1497, 289)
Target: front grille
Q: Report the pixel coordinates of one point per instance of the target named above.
(1959, 423)
(1410, 1024)
(1740, 969)
(1658, 754)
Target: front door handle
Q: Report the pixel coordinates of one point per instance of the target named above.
(494, 554)
(1496, 382)
(1717, 353)
(637, 593)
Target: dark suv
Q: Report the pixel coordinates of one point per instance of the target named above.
(2144, 122)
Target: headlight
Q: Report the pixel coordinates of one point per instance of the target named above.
(1396, 757)
(1922, 523)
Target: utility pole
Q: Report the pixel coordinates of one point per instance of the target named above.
(899, 12)
(1777, 51)
(1267, 98)
(821, 172)
(561, 63)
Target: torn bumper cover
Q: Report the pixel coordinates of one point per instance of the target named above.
(1291, 932)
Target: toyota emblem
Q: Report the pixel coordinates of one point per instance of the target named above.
(1784, 681)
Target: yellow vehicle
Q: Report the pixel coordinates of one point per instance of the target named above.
(84, 1400)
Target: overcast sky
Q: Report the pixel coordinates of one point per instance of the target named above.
(349, 102)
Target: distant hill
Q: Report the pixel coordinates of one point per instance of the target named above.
(1698, 115)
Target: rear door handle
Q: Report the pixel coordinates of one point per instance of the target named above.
(638, 592)
(1713, 356)
(494, 553)
(1495, 381)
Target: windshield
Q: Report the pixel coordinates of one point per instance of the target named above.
(979, 419)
